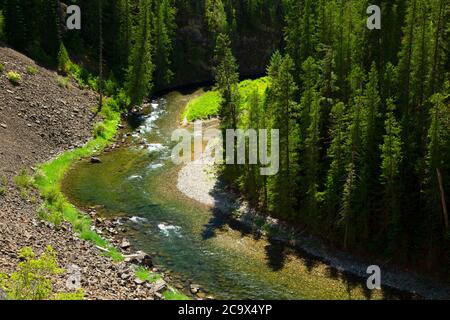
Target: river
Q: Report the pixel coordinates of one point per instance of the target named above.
(186, 238)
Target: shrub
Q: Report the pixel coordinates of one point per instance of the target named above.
(100, 130)
(2, 67)
(3, 184)
(146, 275)
(14, 78)
(63, 82)
(32, 70)
(2, 26)
(23, 180)
(32, 278)
(51, 215)
(79, 295)
(123, 100)
(64, 62)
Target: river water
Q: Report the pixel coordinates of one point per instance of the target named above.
(185, 238)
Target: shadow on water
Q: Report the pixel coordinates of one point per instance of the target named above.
(278, 250)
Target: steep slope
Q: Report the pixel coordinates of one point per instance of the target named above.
(38, 120)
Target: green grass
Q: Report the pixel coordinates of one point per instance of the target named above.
(146, 275)
(14, 77)
(203, 107)
(32, 70)
(207, 105)
(49, 176)
(174, 294)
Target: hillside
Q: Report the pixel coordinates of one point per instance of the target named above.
(40, 119)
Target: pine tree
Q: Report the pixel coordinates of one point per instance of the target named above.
(391, 156)
(284, 111)
(227, 78)
(139, 75)
(338, 154)
(164, 34)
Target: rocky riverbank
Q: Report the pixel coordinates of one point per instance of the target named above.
(198, 181)
(39, 119)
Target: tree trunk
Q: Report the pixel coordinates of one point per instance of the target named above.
(443, 202)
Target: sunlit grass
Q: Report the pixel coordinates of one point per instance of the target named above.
(207, 105)
(49, 176)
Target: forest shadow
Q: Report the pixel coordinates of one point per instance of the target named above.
(278, 248)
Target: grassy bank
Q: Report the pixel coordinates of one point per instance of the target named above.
(48, 178)
(207, 105)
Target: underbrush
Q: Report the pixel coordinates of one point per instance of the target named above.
(32, 279)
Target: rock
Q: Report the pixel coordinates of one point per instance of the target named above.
(4, 126)
(195, 288)
(159, 285)
(140, 258)
(2, 295)
(201, 295)
(125, 244)
(95, 160)
(138, 281)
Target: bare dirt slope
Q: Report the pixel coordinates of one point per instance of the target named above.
(38, 120)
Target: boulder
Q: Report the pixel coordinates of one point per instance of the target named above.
(95, 160)
(125, 244)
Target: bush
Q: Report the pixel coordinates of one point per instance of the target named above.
(2, 26)
(100, 130)
(23, 180)
(63, 82)
(51, 215)
(64, 62)
(14, 78)
(2, 67)
(3, 184)
(32, 278)
(32, 70)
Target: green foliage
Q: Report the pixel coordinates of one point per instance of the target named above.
(174, 294)
(203, 107)
(23, 180)
(63, 82)
(146, 275)
(49, 176)
(64, 62)
(14, 77)
(2, 26)
(79, 295)
(140, 70)
(99, 130)
(32, 279)
(32, 70)
(2, 67)
(3, 185)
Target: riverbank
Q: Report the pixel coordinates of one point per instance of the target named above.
(40, 120)
(198, 181)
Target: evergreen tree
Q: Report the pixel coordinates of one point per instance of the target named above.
(391, 155)
(284, 110)
(139, 75)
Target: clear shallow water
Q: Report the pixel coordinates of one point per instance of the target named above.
(186, 237)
